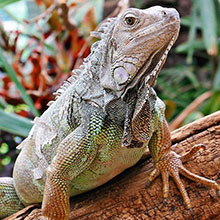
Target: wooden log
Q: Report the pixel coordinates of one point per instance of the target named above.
(125, 197)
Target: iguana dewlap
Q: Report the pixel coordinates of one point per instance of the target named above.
(102, 120)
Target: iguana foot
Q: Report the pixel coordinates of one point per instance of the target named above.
(171, 165)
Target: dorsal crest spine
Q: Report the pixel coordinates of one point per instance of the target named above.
(89, 63)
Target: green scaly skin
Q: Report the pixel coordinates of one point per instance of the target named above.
(102, 120)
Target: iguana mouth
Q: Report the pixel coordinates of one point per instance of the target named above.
(149, 71)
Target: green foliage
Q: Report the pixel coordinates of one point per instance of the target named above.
(14, 124)
(85, 7)
(192, 117)
(192, 34)
(204, 18)
(4, 148)
(216, 81)
(4, 3)
(3, 103)
(178, 87)
(6, 160)
(209, 24)
(198, 69)
(37, 57)
(12, 74)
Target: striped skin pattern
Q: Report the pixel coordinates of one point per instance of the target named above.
(102, 120)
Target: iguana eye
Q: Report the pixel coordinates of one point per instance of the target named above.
(130, 20)
(164, 14)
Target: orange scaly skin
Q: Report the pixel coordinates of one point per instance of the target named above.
(102, 120)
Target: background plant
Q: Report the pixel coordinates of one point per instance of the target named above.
(36, 57)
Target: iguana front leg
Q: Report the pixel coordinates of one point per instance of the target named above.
(74, 154)
(168, 163)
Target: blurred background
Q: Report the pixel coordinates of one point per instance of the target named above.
(41, 41)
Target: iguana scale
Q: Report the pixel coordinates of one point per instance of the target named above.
(102, 120)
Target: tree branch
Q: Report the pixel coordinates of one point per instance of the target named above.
(187, 111)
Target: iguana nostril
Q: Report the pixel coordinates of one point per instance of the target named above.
(174, 15)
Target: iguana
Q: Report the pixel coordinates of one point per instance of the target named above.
(102, 120)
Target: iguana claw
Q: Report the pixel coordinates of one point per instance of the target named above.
(171, 165)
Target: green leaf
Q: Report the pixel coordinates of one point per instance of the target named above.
(81, 12)
(192, 117)
(12, 74)
(3, 3)
(192, 33)
(192, 77)
(209, 26)
(3, 103)
(187, 20)
(5, 161)
(185, 47)
(138, 3)
(85, 7)
(98, 5)
(216, 81)
(12, 16)
(215, 102)
(4, 148)
(212, 104)
(14, 124)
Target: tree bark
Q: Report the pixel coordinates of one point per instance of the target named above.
(125, 197)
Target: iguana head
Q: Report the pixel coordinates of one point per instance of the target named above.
(138, 45)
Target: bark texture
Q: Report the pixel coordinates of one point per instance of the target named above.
(125, 197)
